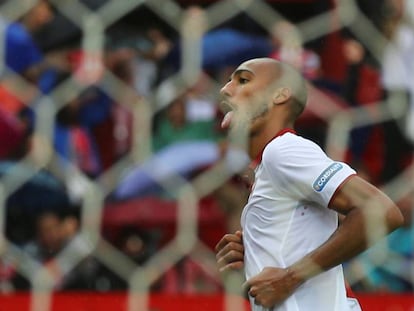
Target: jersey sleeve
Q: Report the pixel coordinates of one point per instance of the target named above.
(303, 171)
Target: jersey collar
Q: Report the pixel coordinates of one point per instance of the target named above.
(258, 158)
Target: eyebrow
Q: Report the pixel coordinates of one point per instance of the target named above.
(238, 72)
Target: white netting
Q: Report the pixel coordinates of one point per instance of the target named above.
(90, 188)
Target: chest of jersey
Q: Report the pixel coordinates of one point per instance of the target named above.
(280, 225)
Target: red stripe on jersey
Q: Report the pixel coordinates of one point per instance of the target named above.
(258, 158)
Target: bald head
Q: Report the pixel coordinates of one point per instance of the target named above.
(282, 75)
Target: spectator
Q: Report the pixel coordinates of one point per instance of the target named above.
(12, 134)
(288, 48)
(362, 88)
(73, 139)
(174, 137)
(235, 46)
(22, 53)
(49, 239)
(174, 126)
(182, 149)
(24, 58)
(47, 242)
(397, 81)
(58, 246)
(138, 245)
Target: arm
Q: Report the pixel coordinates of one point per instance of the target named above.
(364, 207)
(52, 61)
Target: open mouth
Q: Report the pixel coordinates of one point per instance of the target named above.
(228, 114)
(225, 123)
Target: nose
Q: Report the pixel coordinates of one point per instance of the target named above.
(226, 90)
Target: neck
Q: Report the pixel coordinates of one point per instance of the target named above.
(259, 140)
(28, 24)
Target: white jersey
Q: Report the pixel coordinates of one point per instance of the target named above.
(287, 216)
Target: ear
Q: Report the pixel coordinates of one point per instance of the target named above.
(281, 95)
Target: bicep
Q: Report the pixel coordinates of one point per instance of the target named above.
(356, 192)
(366, 208)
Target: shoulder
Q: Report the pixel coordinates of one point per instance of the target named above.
(17, 33)
(290, 152)
(290, 146)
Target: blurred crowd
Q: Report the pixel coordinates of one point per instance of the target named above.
(98, 100)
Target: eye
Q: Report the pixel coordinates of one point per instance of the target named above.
(243, 80)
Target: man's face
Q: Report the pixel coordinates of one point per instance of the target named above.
(247, 96)
(49, 233)
(40, 14)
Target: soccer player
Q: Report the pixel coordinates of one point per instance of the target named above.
(291, 246)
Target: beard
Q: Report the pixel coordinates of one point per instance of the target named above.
(261, 112)
(256, 115)
(248, 124)
(235, 116)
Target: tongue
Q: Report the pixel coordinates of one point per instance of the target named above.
(227, 120)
